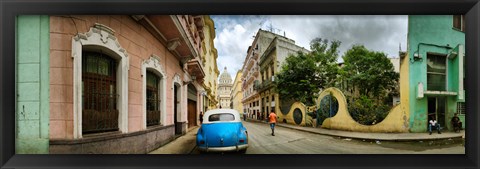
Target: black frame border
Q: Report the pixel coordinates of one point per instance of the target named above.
(10, 9)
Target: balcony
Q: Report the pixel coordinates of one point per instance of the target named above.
(256, 85)
(250, 79)
(255, 71)
(255, 54)
(267, 84)
(251, 62)
(168, 29)
(195, 68)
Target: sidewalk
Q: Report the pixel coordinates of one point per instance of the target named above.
(183, 144)
(374, 136)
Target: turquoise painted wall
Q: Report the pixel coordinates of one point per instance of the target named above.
(32, 84)
(436, 30)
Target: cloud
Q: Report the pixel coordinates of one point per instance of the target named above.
(233, 36)
(379, 33)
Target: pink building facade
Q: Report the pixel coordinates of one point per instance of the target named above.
(123, 84)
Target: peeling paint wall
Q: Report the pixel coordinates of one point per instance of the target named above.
(432, 34)
(32, 84)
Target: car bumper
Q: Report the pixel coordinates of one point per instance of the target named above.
(222, 149)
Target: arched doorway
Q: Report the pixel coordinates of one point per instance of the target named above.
(192, 105)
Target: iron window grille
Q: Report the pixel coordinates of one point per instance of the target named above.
(153, 99)
(99, 96)
(461, 108)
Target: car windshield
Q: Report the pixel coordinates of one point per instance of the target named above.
(221, 117)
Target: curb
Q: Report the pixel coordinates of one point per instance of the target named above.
(362, 138)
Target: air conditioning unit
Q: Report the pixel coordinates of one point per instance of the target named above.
(417, 56)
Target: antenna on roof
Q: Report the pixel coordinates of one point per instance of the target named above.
(274, 30)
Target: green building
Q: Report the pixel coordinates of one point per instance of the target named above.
(436, 51)
(32, 84)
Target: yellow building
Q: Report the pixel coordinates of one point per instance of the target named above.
(237, 94)
(209, 62)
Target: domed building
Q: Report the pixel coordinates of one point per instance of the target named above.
(224, 89)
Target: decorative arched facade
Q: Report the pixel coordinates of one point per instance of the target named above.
(153, 65)
(99, 38)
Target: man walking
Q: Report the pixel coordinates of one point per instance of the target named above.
(272, 120)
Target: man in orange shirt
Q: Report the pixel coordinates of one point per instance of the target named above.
(272, 120)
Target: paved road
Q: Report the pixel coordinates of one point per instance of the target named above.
(289, 141)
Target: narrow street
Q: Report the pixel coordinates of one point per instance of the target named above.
(289, 141)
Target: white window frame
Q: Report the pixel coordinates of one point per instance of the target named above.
(99, 37)
(176, 81)
(153, 65)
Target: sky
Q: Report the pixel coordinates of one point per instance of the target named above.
(235, 33)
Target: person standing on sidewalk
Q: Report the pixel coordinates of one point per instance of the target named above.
(272, 121)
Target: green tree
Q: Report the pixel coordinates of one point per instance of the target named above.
(302, 75)
(326, 60)
(369, 72)
(371, 78)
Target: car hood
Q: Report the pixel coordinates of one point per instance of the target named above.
(221, 134)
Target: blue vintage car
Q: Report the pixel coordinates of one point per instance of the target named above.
(222, 130)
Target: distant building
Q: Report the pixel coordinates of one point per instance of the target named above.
(432, 70)
(270, 64)
(396, 94)
(396, 64)
(225, 89)
(237, 93)
(251, 73)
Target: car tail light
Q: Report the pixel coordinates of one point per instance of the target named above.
(241, 141)
(202, 142)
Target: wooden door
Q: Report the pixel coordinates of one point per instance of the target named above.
(192, 113)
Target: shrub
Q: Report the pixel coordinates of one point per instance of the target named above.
(367, 111)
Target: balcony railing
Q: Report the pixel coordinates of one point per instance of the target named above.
(264, 85)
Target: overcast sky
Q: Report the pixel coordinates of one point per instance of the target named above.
(234, 33)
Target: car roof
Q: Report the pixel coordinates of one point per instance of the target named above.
(219, 111)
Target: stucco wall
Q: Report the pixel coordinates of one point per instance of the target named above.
(395, 121)
(139, 44)
(32, 84)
